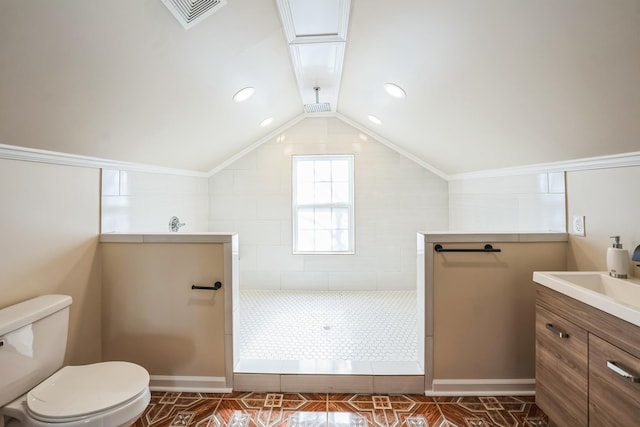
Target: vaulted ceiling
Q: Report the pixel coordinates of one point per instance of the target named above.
(490, 83)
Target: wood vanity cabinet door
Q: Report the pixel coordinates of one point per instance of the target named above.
(613, 399)
(561, 369)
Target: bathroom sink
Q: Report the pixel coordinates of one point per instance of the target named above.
(626, 291)
(619, 297)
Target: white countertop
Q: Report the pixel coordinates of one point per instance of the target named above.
(167, 237)
(484, 237)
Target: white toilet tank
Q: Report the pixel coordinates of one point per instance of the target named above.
(33, 340)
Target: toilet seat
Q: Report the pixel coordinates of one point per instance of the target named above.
(76, 392)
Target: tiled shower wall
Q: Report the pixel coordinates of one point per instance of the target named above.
(145, 202)
(530, 202)
(394, 199)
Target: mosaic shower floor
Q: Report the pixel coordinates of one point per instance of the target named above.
(328, 325)
(337, 410)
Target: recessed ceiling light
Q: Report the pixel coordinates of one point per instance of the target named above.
(375, 120)
(395, 90)
(243, 94)
(266, 122)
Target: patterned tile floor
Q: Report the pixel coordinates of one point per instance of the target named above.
(337, 410)
(328, 325)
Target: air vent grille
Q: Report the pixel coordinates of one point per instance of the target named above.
(190, 12)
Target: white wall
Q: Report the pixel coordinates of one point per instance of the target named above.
(532, 202)
(609, 201)
(395, 198)
(49, 223)
(145, 202)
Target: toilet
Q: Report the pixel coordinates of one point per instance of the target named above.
(36, 391)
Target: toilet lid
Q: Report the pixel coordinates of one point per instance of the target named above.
(75, 391)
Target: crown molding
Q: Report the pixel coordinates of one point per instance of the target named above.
(589, 163)
(12, 152)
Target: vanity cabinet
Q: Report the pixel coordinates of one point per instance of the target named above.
(587, 363)
(614, 397)
(561, 369)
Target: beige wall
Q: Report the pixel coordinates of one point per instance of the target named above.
(150, 314)
(484, 310)
(49, 223)
(610, 202)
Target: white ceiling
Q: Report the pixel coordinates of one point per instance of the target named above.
(490, 83)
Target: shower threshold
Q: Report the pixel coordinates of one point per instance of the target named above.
(328, 367)
(328, 376)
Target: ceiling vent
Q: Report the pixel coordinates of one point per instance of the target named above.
(190, 12)
(325, 107)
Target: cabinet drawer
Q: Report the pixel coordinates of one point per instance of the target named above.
(614, 400)
(561, 369)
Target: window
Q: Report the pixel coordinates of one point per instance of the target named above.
(323, 204)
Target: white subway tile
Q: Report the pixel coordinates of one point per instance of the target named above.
(532, 183)
(279, 258)
(556, 182)
(396, 280)
(353, 281)
(543, 212)
(274, 207)
(305, 280)
(142, 183)
(221, 183)
(187, 185)
(265, 279)
(328, 263)
(260, 232)
(222, 226)
(110, 182)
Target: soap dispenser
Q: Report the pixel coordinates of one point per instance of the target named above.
(617, 259)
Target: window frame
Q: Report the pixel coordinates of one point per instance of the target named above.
(350, 204)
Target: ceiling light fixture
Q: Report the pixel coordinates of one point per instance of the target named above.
(243, 94)
(395, 90)
(375, 120)
(266, 122)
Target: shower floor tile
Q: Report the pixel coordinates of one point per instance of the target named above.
(354, 326)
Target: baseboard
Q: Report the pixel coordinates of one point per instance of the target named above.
(483, 387)
(189, 384)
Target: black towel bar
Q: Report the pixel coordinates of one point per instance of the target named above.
(487, 248)
(215, 287)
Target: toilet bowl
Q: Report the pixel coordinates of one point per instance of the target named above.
(36, 392)
(101, 394)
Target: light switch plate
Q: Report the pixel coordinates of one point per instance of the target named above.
(578, 225)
